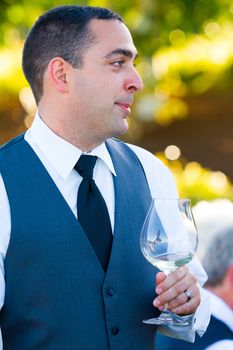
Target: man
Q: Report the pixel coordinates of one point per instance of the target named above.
(65, 287)
(218, 263)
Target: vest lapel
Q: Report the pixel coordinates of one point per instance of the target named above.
(129, 213)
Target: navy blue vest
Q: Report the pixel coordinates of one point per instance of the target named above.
(216, 331)
(57, 295)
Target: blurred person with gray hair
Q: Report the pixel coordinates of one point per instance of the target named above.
(217, 259)
(218, 263)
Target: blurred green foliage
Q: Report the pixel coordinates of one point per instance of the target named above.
(196, 182)
(185, 48)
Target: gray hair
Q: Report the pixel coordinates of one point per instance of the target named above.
(219, 256)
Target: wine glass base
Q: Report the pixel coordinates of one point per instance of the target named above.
(167, 321)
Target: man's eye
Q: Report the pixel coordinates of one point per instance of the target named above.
(118, 63)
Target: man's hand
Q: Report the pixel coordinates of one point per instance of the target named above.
(171, 289)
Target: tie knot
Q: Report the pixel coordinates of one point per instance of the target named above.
(85, 166)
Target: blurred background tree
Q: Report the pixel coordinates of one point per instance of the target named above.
(184, 114)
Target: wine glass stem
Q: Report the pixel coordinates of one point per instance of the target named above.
(165, 308)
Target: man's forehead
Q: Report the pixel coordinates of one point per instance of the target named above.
(113, 34)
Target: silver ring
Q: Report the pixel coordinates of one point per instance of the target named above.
(188, 295)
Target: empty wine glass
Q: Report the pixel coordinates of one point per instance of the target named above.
(168, 241)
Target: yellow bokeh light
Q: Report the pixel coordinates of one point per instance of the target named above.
(220, 53)
(173, 109)
(27, 100)
(144, 69)
(197, 54)
(192, 173)
(212, 29)
(28, 121)
(218, 180)
(160, 65)
(134, 18)
(177, 37)
(172, 152)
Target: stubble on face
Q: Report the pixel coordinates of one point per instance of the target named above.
(99, 101)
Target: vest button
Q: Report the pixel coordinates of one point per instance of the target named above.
(115, 330)
(110, 292)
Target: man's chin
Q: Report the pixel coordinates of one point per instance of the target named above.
(121, 130)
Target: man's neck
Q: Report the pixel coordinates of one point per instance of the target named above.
(85, 141)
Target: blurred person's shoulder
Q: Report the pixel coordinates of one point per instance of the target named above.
(226, 344)
(212, 217)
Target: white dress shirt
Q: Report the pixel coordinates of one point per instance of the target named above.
(59, 158)
(221, 311)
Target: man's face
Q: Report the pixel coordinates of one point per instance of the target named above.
(103, 90)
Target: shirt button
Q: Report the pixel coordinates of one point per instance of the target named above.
(115, 330)
(110, 292)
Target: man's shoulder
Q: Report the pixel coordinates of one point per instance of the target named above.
(159, 177)
(140, 152)
(147, 158)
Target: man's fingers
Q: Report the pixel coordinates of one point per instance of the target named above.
(171, 290)
(176, 290)
(188, 307)
(172, 279)
(160, 277)
(182, 298)
(173, 285)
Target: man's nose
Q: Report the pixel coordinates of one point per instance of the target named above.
(134, 82)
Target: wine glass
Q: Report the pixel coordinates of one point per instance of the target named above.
(168, 241)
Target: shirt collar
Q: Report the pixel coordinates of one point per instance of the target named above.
(59, 152)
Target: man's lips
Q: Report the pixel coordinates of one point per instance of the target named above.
(124, 106)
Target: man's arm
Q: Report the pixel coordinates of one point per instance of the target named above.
(5, 228)
(162, 185)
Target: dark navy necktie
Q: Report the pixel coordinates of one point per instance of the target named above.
(92, 211)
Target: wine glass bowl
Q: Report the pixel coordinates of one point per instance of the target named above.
(168, 241)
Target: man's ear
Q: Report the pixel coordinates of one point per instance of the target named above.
(57, 72)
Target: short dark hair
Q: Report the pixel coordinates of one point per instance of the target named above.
(61, 32)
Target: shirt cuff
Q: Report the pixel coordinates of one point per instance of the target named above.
(198, 322)
(203, 314)
(186, 332)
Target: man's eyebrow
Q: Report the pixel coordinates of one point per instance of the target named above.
(124, 52)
